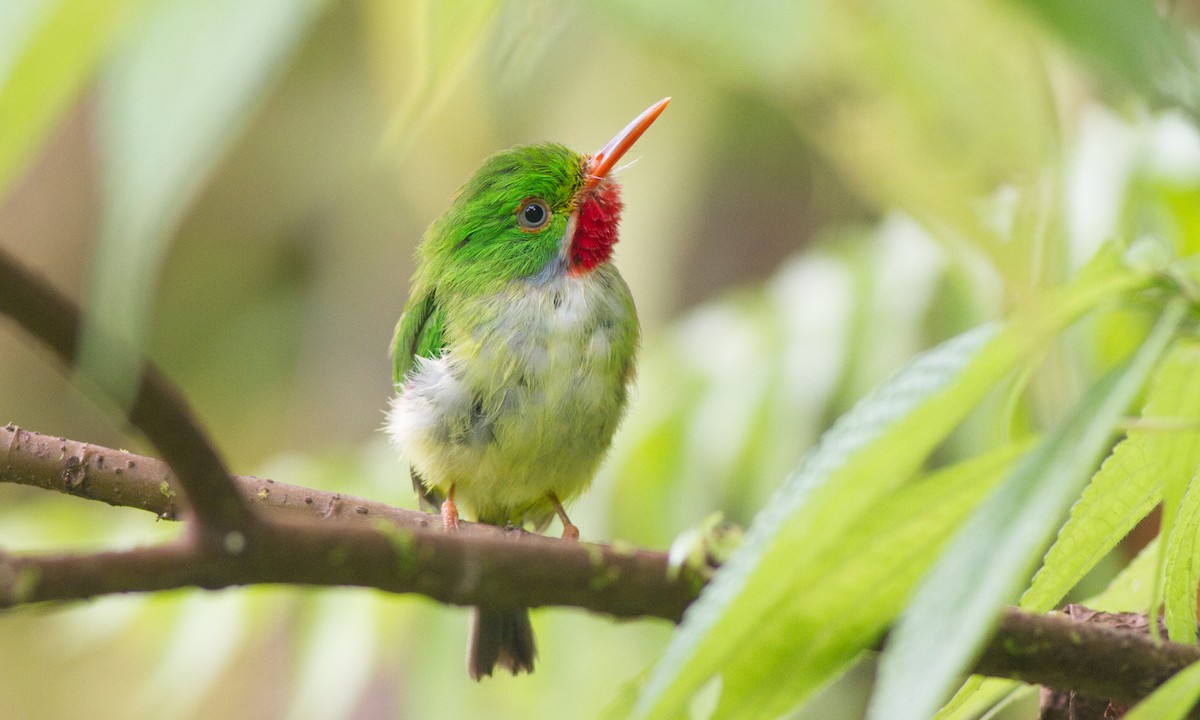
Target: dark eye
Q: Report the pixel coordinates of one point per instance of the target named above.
(533, 214)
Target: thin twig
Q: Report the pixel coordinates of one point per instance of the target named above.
(158, 409)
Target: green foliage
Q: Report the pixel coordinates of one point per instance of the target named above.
(49, 51)
(956, 605)
(1026, 175)
(979, 696)
(1159, 449)
(163, 126)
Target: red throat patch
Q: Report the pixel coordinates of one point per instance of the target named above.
(596, 227)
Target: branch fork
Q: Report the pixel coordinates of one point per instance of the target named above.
(245, 530)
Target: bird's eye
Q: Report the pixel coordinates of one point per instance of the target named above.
(533, 214)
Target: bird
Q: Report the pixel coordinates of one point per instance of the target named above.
(514, 355)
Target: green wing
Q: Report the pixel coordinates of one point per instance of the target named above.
(418, 334)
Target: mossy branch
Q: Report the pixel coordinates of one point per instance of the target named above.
(248, 531)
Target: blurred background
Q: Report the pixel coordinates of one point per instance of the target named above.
(238, 186)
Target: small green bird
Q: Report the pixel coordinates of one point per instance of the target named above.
(515, 351)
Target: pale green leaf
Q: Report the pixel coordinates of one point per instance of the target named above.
(1128, 41)
(1162, 448)
(198, 650)
(173, 98)
(48, 51)
(1173, 700)
(1178, 420)
(868, 452)
(334, 670)
(880, 558)
(1130, 590)
(442, 37)
(957, 602)
(979, 696)
(1182, 571)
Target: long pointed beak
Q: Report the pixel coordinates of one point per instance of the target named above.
(603, 162)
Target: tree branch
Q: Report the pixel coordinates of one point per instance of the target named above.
(1091, 658)
(310, 537)
(254, 531)
(158, 409)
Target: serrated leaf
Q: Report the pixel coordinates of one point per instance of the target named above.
(1177, 454)
(955, 606)
(1173, 700)
(880, 558)
(172, 99)
(1163, 448)
(1181, 573)
(1130, 590)
(871, 450)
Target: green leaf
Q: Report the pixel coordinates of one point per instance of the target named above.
(979, 696)
(1178, 457)
(867, 453)
(172, 100)
(955, 606)
(1128, 41)
(1181, 574)
(443, 37)
(881, 557)
(1130, 590)
(47, 52)
(1173, 700)
(1162, 448)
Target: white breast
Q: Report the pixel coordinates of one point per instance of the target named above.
(525, 400)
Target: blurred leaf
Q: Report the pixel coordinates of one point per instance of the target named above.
(1173, 700)
(871, 450)
(879, 91)
(826, 328)
(1129, 483)
(881, 557)
(48, 51)
(443, 37)
(334, 669)
(955, 606)
(980, 696)
(939, 158)
(207, 634)
(1127, 41)
(1131, 589)
(173, 98)
(775, 561)
(695, 441)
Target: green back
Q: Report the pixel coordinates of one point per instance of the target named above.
(477, 246)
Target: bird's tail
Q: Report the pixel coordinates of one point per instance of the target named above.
(500, 637)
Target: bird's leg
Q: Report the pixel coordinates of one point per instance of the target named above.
(449, 512)
(570, 532)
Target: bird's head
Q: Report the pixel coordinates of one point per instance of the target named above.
(533, 211)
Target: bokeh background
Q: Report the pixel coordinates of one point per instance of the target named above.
(239, 186)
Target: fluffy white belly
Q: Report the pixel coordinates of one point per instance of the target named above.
(526, 397)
